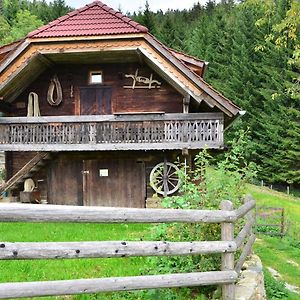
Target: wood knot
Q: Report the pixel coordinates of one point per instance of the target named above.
(15, 253)
(2, 245)
(77, 251)
(123, 243)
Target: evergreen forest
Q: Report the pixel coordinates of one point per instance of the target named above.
(253, 50)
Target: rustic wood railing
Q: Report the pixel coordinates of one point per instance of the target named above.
(112, 132)
(57, 250)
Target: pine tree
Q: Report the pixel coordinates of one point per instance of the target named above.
(59, 8)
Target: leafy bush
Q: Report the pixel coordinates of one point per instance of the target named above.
(274, 289)
(203, 187)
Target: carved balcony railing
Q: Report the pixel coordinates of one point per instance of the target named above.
(112, 132)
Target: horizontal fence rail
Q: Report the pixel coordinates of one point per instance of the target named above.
(112, 132)
(227, 247)
(80, 214)
(87, 286)
(57, 250)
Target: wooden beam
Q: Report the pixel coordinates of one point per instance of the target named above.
(22, 47)
(244, 233)
(15, 212)
(186, 104)
(59, 250)
(246, 251)
(140, 57)
(89, 286)
(245, 208)
(45, 60)
(110, 147)
(114, 118)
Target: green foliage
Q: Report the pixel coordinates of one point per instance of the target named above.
(4, 27)
(18, 17)
(23, 23)
(274, 289)
(203, 187)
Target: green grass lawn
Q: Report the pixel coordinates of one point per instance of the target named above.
(267, 197)
(281, 254)
(37, 270)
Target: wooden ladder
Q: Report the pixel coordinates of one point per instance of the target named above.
(27, 171)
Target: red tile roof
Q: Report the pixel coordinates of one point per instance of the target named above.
(91, 20)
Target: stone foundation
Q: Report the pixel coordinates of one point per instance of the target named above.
(250, 285)
(153, 202)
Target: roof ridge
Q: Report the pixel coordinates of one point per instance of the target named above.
(75, 12)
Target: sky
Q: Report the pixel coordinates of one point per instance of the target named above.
(134, 5)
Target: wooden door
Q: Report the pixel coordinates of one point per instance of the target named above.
(95, 100)
(114, 182)
(65, 182)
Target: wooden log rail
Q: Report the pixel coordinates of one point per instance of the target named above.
(74, 250)
(112, 132)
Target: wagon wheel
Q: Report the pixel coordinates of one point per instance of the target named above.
(164, 178)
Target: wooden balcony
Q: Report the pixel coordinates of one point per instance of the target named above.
(112, 132)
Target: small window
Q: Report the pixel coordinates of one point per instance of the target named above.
(95, 77)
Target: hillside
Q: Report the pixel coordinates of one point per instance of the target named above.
(280, 254)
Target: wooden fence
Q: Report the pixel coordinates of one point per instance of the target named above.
(57, 250)
(270, 221)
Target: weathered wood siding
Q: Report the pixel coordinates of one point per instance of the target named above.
(17, 160)
(64, 181)
(73, 178)
(165, 99)
(124, 186)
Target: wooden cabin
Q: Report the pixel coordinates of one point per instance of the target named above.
(95, 110)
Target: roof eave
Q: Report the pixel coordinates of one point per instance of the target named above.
(84, 38)
(229, 108)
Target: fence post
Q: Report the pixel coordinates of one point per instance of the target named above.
(251, 215)
(227, 234)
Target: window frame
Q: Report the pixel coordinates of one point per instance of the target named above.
(95, 72)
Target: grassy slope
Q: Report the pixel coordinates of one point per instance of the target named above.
(267, 197)
(276, 252)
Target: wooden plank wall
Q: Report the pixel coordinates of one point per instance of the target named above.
(72, 77)
(131, 182)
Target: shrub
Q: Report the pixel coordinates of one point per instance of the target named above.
(204, 186)
(274, 289)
